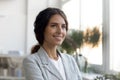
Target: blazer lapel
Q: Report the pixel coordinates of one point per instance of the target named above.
(48, 64)
(54, 71)
(66, 67)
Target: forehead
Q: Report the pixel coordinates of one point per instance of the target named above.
(57, 19)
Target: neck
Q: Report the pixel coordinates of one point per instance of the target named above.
(51, 51)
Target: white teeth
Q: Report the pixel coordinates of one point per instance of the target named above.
(58, 37)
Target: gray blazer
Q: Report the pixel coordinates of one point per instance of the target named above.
(38, 67)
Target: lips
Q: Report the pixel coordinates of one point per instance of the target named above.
(59, 38)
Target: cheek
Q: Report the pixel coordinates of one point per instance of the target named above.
(48, 33)
(65, 33)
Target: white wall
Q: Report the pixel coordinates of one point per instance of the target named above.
(16, 23)
(12, 25)
(34, 6)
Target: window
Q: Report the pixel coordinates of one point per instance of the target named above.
(91, 16)
(72, 9)
(102, 13)
(114, 35)
(83, 14)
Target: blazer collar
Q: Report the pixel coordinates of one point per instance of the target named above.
(47, 64)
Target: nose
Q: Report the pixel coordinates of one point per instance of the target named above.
(59, 29)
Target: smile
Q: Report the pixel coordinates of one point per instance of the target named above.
(58, 37)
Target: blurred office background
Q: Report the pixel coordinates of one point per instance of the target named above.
(17, 36)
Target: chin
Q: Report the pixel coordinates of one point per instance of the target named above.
(58, 44)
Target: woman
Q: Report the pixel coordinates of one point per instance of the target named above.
(48, 63)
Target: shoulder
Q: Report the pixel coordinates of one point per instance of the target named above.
(68, 57)
(30, 58)
(70, 62)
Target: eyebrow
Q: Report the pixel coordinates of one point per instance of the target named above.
(56, 23)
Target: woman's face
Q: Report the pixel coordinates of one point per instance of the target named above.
(55, 31)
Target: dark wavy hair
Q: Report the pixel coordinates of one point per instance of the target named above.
(42, 21)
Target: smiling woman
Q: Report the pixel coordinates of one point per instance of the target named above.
(48, 63)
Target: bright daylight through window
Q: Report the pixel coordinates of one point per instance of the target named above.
(83, 15)
(114, 35)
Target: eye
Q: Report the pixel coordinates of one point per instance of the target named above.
(63, 26)
(53, 25)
